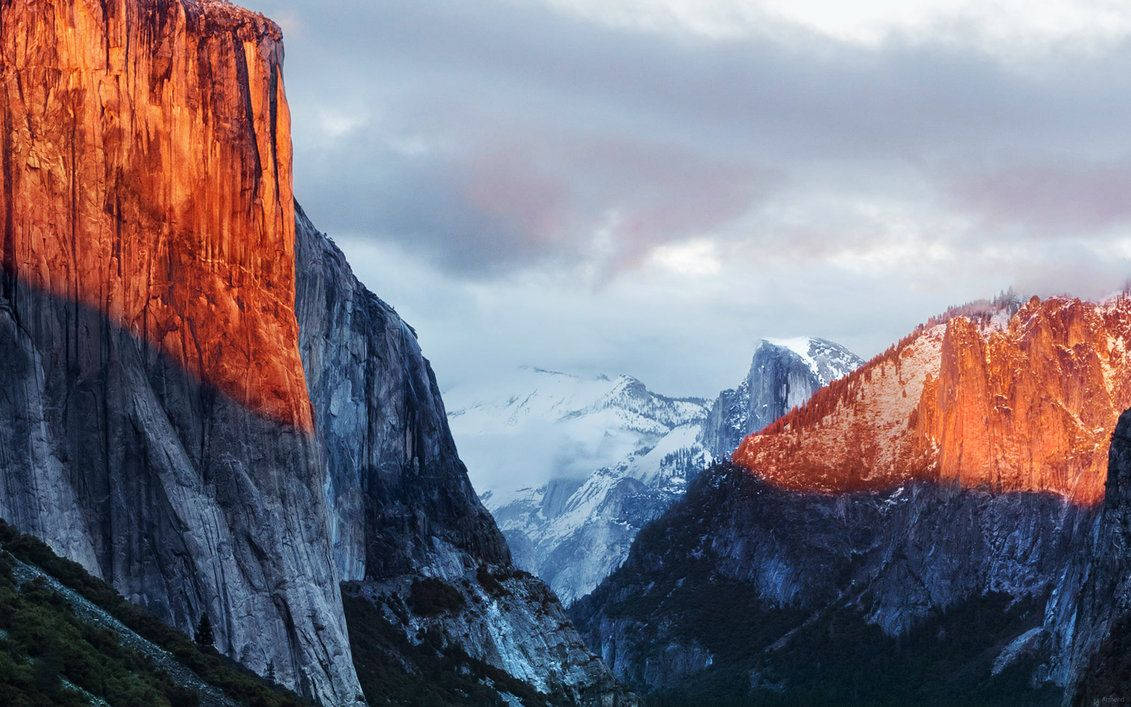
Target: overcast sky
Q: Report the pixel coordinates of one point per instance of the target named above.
(649, 186)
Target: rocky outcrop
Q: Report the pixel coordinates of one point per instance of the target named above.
(401, 506)
(1021, 400)
(784, 374)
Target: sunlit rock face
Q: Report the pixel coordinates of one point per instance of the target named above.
(1005, 400)
(147, 175)
(155, 425)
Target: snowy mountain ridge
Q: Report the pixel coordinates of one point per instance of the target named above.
(826, 359)
(538, 393)
(606, 455)
(539, 425)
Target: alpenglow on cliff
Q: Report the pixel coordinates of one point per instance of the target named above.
(938, 516)
(174, 422)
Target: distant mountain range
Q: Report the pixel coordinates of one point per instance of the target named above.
(616, 454)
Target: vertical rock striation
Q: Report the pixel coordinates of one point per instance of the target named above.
(1021, 400)
(402, 509)
(156, 418)
(147, 175)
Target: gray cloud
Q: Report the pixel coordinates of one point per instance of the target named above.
(529, 187)
(498, 135)
(1069, 197)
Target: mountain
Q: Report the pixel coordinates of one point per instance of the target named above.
(575, 528)
(1015, 403)
(203, 407)
(575, 423)
(921, 530)
(784, 374)
(629, 453)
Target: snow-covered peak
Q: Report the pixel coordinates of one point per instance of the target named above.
(537, 424)
(553, 396)
(826, 359)
(798, 345)
(573, 525)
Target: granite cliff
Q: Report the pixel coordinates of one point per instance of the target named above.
(783, 374)
(1012, 400)
(420, 556)
(156, 426)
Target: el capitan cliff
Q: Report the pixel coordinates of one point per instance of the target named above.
(171, 420)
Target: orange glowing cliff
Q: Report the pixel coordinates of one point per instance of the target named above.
(982, 399)
(147, 174)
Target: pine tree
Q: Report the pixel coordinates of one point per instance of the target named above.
(204, 637)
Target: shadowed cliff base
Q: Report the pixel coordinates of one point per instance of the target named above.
(70, 639)
(180, 497)
(1107, 678)
(748, 592)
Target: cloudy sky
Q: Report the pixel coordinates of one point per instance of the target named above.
(649, 186)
